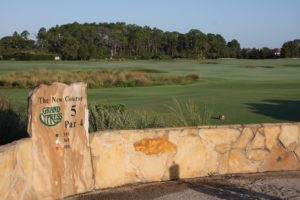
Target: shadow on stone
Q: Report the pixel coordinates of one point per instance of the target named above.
(174, 171)
(229, 192)
(287, 110)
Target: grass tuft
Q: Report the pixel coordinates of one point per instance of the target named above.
(188, 113)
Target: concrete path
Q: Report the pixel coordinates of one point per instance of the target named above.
(273, 186)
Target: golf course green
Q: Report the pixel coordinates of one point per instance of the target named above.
(244, 91)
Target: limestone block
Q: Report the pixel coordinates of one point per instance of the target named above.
(153, 133)
(58, 124)
(133, 135)
(137, 135)
(244, 139)
(25, 163)
(18, 187)
(258, 142)
(219, 135)
(28, 195)
(222, 148)
(110, 160)
(189, 131)
(151, 157)
(257, 154)
(8, 164)
(292, 146)
(280, 160)
(297, 152)
(254, 129)
(261, 130)
(174, 135)
(238, 163)
(195, 157)
(155, 146)
(289, 136)
(16, 170)
(150, 167)
(271, 134)
(223, 163)
(299, 131)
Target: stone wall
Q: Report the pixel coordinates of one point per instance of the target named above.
(16, 170)
(130, 156)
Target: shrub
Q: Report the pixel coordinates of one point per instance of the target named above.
(28, 56)
(192, 77)
(13, 121)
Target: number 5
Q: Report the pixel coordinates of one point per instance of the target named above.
(73, 110)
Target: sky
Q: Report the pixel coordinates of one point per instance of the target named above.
(254, 23)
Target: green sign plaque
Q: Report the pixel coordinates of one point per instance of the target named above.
(51, 116)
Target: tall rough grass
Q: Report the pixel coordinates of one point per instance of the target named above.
(102, 117)
(188, 113)
(94, 79)
(147, 119)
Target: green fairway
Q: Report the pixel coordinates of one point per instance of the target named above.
(245, 91)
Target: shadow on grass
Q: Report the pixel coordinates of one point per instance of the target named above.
(12, 126)
(286, 110)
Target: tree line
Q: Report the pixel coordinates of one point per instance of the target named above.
(119, 40)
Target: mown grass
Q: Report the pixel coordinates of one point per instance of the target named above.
(94, 79)
(293, 65)
(145, 70)
(243, 95)
(208, 62)
(259, 66)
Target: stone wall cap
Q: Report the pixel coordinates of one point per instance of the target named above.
(117, 131)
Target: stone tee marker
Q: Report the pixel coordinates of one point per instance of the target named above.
(58, 125)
